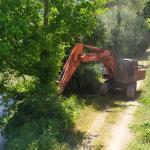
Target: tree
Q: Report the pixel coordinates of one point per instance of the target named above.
(126, 30)
(147, 12)
(34, 37)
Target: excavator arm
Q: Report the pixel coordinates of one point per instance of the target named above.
(77, 56)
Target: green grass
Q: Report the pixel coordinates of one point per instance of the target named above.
(44, 132)
(141, 125)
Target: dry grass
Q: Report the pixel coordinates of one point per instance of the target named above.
(87, 117)
(111, 118)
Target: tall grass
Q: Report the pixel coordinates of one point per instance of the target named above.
(141, 126)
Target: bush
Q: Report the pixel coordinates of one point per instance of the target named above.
(43, 132)
(70, 108)
(86, 79)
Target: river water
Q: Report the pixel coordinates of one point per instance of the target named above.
(1, 136)
(2, 109)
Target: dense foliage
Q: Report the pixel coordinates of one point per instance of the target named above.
(147, 13)
(126, 29)
(33, 42)
(34, 35)
(45, 132)
(86, 79)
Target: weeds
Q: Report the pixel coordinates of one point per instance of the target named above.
(141, 126)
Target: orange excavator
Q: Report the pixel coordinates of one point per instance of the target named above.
(119, 74)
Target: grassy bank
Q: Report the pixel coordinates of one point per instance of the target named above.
(141, 125)
(46, 131)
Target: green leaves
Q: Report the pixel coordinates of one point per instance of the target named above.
(148, 21)
(34, 38)
(126, 29)
(147, 13)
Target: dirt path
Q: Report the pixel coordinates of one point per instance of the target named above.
(93, 132)
(118, 134)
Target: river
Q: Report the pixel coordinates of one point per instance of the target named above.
(1, 136)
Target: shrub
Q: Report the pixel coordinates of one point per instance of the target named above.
(86, 79)
(43, 132)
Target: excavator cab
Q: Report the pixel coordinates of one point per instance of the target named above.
(127, 73)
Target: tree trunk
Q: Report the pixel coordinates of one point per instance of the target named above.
(45, 23)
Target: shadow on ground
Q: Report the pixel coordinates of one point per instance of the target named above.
(103, 102)
(100, 103)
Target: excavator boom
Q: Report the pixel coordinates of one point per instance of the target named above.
(77, 56)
